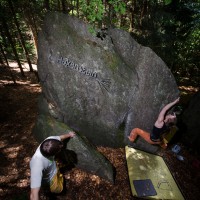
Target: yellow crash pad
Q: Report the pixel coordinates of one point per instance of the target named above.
(170, 134)
(146, 166)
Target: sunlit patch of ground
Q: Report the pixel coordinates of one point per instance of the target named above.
(6, 78)
(25, 66)
(188, 89)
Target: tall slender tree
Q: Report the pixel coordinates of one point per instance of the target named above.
(6, 60)
(4, 26)
(20, 34)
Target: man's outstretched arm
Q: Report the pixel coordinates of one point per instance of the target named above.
(34, 194)
(67, 135)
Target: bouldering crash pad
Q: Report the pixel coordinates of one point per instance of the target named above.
(150, 177)
(170, 134)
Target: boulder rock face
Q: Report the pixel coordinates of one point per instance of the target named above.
(79, 151)
(191, 122)
(102, 87)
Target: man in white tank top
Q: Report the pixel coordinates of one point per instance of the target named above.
(43, 166)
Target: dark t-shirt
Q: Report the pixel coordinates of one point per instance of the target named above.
(157, 132)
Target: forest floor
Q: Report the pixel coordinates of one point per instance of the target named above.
(18, 106)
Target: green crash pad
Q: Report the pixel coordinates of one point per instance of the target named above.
(149, 176)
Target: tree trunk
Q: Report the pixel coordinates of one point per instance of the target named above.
(46, 4)
(143, 11)
(77, 8)
(1, 60)
(132, 15)
(30, 21)
(5, 26)
(6, 60)
(63, 6)
(20, 35)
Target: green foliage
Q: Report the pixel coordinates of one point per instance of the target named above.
(92, 30)
(118, 5)
(170, 27)
(172, 31)
(167, 2)
(93, 10)
(188, 52)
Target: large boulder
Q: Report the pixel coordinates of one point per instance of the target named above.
(79, 151)
(103, 86)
